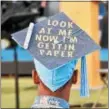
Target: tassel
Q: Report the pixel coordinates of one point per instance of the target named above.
(84, 90)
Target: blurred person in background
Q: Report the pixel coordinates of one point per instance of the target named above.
(104, 29)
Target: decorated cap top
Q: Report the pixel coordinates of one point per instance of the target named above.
(56, 41)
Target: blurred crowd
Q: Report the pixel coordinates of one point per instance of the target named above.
(14, 19)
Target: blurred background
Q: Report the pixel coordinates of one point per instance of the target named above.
(17, 86)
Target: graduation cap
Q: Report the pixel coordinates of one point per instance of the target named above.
(56, 44)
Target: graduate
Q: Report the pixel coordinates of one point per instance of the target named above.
(56, 45)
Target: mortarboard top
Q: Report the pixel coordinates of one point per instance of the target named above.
(56, 41)
(52, 49)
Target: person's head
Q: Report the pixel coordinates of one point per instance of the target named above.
(55, 55)
(62, 92)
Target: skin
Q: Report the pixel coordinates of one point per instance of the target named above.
(63, 92)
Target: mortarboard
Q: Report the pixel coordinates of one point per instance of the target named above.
(56, 44)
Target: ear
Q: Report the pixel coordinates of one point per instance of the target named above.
(74, 77)
(35, 77)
